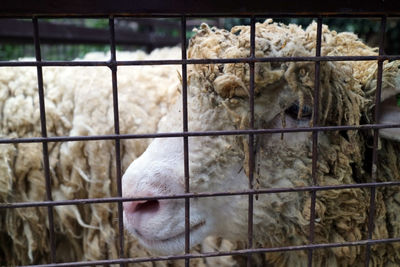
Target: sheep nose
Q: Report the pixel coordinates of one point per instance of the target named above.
(142, 206)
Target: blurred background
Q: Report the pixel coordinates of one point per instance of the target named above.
(67, 39)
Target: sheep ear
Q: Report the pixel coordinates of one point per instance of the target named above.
(390, 113)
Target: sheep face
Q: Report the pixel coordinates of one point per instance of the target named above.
(160, 225)
(216, 164)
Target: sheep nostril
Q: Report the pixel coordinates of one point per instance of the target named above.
(147, 206)
(144, 206)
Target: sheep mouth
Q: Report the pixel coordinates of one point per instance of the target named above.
(171, 238)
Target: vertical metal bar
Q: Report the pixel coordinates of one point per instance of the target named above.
(315, 137)
(185, 139)
(46, 164)
(251, 140)
(113, 68)
(372, 200)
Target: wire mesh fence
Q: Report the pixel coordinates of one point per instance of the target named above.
(113, 64)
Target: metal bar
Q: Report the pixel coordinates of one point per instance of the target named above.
(193, 61)
(117, 132)
(372, 204)
(251, 141)
(394, 14)
(220, 254)
(69, 8)
(194, 133)
(315, 118)
(197, 195)
(185, 139)
(46, 164)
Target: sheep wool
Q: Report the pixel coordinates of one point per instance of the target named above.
(347, 90)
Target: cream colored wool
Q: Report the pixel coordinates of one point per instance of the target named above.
(218, 100)
(78, 103)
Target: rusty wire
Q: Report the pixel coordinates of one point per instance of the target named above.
(185, 134)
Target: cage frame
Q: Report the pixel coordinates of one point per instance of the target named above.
(187, 9)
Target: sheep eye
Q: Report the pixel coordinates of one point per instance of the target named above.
(398, 100)
(294, 110)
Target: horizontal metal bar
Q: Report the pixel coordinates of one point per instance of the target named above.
(193, 134)
(191, 17)
(227, 253)
(192, 61)
(191, 7)
(196, 195)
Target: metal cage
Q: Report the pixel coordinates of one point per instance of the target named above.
(36, 10)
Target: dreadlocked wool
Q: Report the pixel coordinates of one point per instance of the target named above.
(347, 91)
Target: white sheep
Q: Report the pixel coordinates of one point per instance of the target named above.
(78, 103)
(218, 100)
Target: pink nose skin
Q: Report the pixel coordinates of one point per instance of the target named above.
(142, 206)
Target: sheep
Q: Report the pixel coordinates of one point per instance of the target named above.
(78, 102)
(218, 99)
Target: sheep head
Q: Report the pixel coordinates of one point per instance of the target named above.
(218, 99)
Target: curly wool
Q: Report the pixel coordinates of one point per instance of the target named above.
(78, 103)
(341, 215)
